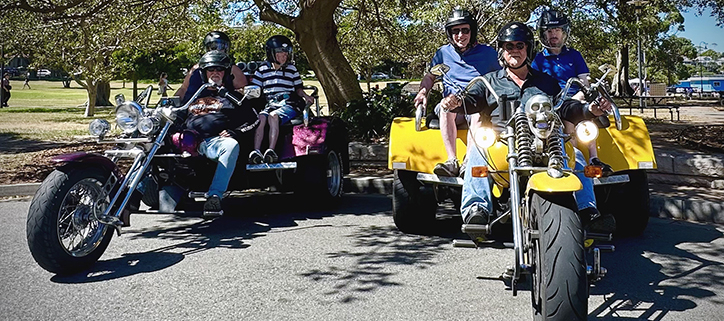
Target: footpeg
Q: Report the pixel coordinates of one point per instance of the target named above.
(598, 236)
(606, 247)
(475, 229)
(464, 244)
(213, 214)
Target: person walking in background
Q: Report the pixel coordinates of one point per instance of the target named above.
(6, 90)
(163, 85)
(27, 81)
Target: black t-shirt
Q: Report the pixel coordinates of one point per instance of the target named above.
(480, 100)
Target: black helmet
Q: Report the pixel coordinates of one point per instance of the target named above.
(276, 44)
(550, 19)
(215, 58)
(217, 40)
(516, 31)
(461, 17)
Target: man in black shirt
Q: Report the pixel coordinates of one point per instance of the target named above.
(217, 121)
(516, 48)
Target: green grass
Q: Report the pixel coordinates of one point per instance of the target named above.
(53, 94)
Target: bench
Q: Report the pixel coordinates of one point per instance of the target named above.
(671, 108)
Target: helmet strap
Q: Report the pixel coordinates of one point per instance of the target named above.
(516, 68)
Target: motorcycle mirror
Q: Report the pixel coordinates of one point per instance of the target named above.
(252, 91)
(605, 67)
(120, 99)
(439, 70)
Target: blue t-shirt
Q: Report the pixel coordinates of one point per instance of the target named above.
(476, 61)
(569, 63)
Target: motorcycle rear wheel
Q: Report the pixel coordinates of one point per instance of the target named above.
(560, 287)
(414, 205)
(321, 177)
(63, 233)
(629, 203)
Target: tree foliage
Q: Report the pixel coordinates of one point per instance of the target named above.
(82, 38)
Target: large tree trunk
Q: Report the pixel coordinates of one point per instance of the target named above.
(621, 87)
(103, 93)
(325, 57)
(90, 110)
(316, 33)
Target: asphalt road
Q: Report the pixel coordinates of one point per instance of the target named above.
(347, 264)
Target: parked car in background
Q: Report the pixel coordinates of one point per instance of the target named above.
(14, 72)
(42, 73)
(379, 76)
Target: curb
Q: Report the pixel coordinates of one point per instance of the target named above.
(19, 189)
(686, 209)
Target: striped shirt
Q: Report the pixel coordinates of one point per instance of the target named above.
(286, 79)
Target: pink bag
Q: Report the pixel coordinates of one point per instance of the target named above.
(310, 140)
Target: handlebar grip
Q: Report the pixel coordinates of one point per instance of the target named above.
(223, 92)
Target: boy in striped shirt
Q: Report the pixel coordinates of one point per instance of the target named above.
(282, 87)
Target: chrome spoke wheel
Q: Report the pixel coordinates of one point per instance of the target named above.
(79, 232)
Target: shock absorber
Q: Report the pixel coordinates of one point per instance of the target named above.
(523, 140)
(555, 147)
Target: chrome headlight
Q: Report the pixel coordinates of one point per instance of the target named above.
(586, 131)
(99, 127)
(540, 117)
(485, 137)
(127, 116)
(148, 125)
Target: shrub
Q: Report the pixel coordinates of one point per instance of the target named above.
(369, 119)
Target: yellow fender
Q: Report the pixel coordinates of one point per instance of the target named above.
(543, 182)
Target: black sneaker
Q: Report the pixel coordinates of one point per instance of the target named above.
(478, 217)
(255, 157)
(607, 169)
(595, 222)
(212, 207)
(449, 168)
(270, 156)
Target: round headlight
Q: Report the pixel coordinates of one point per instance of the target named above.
(586, 131)
(148, 125)
(99, 127)
(127, 116)
(485, 137)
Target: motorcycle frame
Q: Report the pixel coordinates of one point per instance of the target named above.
(136, 172)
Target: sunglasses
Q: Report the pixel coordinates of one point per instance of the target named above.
(215, 69)
(465, 31)
(509, 46)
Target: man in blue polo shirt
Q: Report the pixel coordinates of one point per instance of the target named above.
(563, 63)
(467, 59)
(556, 59)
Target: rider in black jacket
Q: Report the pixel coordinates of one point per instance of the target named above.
(516, 48)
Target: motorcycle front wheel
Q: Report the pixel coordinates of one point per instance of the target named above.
(63, 233)
(560, 288)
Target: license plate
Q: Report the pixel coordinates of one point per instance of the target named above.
(615, 179)
(442, 180)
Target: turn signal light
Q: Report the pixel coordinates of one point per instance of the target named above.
(479, 171)
(593, 171)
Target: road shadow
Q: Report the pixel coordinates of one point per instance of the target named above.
(247, 217)
(376, 248)
(13, 143)
(656, 273)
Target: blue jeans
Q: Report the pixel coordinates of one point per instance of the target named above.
(476, 190)
(225, 151)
